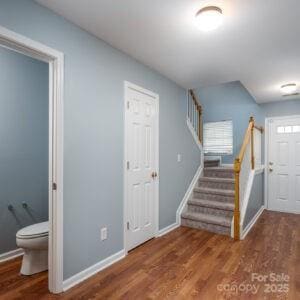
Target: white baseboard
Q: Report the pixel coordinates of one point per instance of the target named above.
(282, 211)
(252, 222)
(92, 270)
(188, 195)
(168, 229)
(11, 254)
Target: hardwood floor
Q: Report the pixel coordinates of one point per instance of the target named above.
(187, 264)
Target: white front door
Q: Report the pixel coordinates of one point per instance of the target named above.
(284, 165)
(141, 165)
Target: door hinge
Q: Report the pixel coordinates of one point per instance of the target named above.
(128, 165)
(128, 105)
(54, 186)
(127, 225)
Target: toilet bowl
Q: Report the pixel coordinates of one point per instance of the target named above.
(34, 241)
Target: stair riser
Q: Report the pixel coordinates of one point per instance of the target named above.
(211, 164)
(218, 173)
(205, 226)
(209, 210)
(216, 185)
(215, 197)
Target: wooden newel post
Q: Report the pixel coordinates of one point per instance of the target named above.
(237, 168)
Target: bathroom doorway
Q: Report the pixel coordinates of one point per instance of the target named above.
(31, 158)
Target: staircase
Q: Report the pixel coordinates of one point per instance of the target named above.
(212, 203)
(216, 201)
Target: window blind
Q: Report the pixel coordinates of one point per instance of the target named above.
(218, 137)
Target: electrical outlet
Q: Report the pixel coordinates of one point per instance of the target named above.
(103, 233)
(178, 157)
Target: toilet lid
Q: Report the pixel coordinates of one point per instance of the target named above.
(35, 230)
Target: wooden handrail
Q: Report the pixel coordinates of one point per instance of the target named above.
(195, 99)
(246, 140)
(249, 137)
(199, 112)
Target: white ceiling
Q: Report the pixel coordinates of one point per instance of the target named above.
(258, 43)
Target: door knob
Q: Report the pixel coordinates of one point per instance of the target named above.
(153, 175)
(271, 163)
(271, 170)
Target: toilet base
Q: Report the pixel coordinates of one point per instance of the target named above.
(34, 261)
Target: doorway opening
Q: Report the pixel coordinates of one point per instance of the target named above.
(40, 244)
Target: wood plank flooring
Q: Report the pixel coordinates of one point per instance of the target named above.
(187, 264)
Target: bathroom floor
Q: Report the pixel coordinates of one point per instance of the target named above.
(184, 264)
(13, 285)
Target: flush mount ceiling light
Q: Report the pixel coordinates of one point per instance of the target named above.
(209, 18)
(288, 89)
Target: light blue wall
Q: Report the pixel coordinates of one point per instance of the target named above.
(93, 126)
(282, 108)
(230, 101)
(256, 200)
(23, 144)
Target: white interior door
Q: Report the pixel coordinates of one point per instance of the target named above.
(284, 165)
(141, 155)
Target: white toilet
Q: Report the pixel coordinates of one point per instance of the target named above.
(34, 241)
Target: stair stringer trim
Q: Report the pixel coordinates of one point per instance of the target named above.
(188, 194)
(196, 140)
(194, 134)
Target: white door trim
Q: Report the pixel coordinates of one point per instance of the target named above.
(24, 45)
(128, 85)
(267, 145)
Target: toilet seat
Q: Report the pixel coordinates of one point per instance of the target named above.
(34, 231)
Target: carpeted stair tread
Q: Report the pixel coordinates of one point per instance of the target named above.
(207, 218)
(221, 169)
(211, 162)
(214, 191)
(212, 204)
(216, 179)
